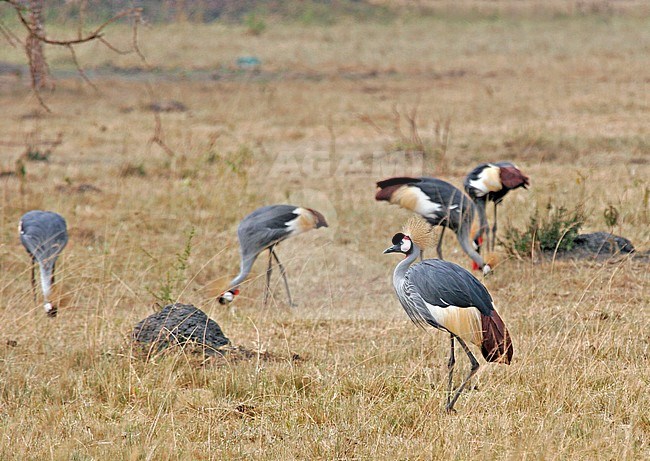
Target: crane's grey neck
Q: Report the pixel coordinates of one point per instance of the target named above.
(482, 217)
(46, 284)
(245, 269)
(467, 245)
(403, 266)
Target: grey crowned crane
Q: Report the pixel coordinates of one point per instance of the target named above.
(441, 204)
(44, 235)
(262, 230)
(491, 182)
(443, 295)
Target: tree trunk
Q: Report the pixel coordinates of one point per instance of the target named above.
(37, 64)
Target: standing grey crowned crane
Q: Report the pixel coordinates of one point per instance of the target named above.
(445, 296)
(440, 203)
(262, 230)
(492, 181)
(44, 235)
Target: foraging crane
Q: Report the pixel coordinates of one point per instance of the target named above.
(44, 235)
(440, 203)
(492, 181)
(262, 230)
(445, 296)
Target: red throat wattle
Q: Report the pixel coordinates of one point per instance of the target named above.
(475, 267)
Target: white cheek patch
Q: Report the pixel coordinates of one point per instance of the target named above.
(406, 246)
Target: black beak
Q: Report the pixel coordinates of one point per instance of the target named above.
(393, 249)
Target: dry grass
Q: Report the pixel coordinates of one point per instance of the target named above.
(565, 97)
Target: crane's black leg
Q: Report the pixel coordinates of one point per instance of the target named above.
(472, 372)
(494, 227)
(267, 290)
(34, 278)
(53, 269)
(450, 367)
(487, 235)
(439, 247)
(284, 276)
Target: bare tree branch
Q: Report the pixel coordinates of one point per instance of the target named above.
(157, 137)
(80, 69)
(11, 38)
(134, 39)
(41, 101)
(36, 37)
(97, 33)
(113, 48)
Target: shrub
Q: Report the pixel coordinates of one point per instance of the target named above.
(557, 230)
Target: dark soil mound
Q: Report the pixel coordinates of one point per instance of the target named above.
(180, 324)
(602, 244)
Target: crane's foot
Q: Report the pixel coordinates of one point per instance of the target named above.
(450, 410)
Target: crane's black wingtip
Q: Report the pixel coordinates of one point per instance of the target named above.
(398, 180)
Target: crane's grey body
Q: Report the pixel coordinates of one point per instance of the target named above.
(438, 283)
(447, 297)
(262, 230)
(441, 204)
(44, 235)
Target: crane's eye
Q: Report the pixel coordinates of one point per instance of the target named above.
(406, 245)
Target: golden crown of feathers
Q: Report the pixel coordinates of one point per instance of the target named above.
(420, 232)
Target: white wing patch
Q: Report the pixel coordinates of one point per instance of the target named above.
(488, 180)
(424, 205)
(461, 321)
(412, 198)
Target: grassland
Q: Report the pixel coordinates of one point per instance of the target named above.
(344, 375)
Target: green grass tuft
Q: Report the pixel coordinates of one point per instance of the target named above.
(556, 231)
